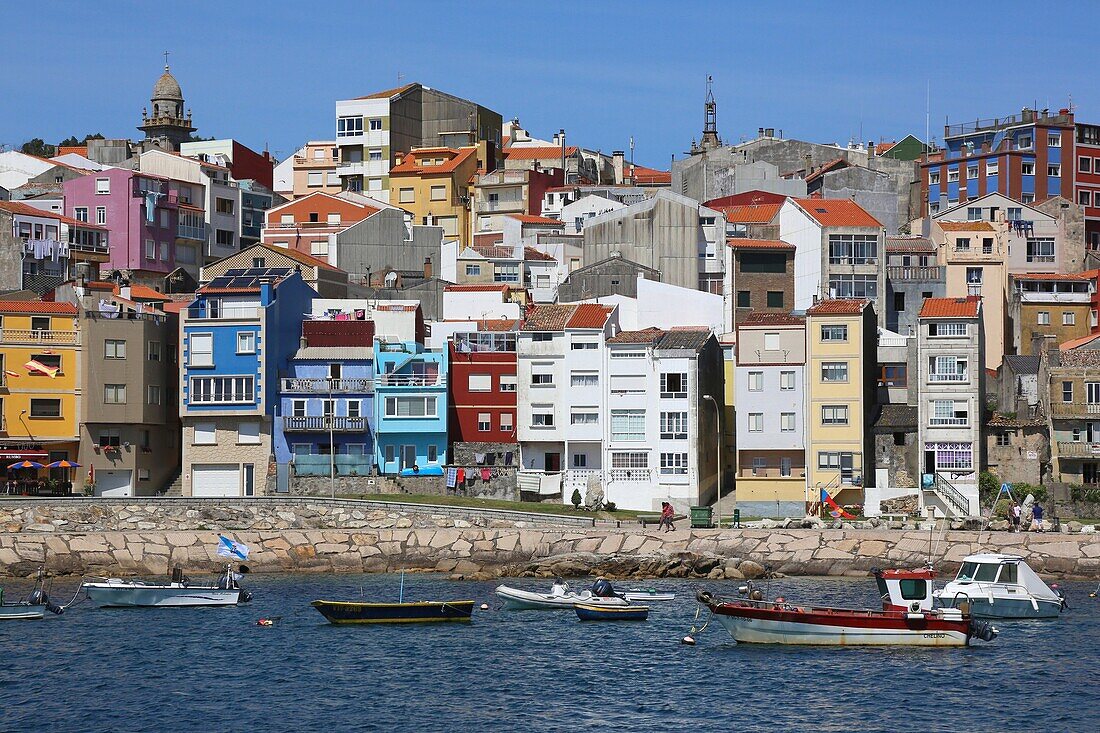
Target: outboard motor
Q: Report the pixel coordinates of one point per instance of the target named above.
(982, 630)
(245, 596)
(602, 588)
(39, 597)
(177, 574)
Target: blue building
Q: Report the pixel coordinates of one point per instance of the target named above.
(236, 338)
(256, 199)
(1028, 157)
(326, 405)
(410, 408)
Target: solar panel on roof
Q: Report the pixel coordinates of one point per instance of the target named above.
(219, 282)
(234, 272)
(255, 271)
(278, 271)
(242, 282)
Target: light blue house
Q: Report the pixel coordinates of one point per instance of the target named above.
(236, 338)
(410, 408)
(326, 417)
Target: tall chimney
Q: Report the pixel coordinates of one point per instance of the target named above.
(617, 158)
(427, 268)
(303, 342)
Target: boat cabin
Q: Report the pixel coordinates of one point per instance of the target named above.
(905, 590)
(989, 569)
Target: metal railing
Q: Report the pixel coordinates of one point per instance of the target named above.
(642, 475)
(1074, 409)
(516, 205)
(410, 380)
(950, 495)
(952, 377)
(1070, 449)
(940, 422)
(322, 423)
(915, 273)
(35, 336)
(324, 386)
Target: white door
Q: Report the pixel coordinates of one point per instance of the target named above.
(114, 483)
(215, 479)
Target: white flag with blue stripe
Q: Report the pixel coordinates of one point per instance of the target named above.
(229, 548)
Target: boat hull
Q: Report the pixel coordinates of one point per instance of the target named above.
(21, 612)
(342, 612)
(110, 595)
(520, 600)
(586, 612)
(775, 631)
(647, 596)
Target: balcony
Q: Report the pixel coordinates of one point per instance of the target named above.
(631, 475)
(36, 336)
(373, 168)
(322, 424)
(1074, 409)
(491, 206)
(410, 380)
(501, 177)
(953, 377)
(197, 233)
(305, 385)
(1069, 449)
(930, 273)
(322, 465)
(224, 314)
(948, 422)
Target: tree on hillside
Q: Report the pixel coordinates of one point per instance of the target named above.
(37, 147)
(72, 141)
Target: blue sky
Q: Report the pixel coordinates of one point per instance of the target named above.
(269, 73)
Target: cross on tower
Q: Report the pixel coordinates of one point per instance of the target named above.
(166, 60)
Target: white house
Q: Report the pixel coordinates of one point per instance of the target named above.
(575, 214)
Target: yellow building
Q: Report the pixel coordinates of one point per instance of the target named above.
(40, 413)
(433, 184)
(841, 338)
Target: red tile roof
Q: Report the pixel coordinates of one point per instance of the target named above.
(491, 324)
(589, 315)
(548, 317)
(100, 285)
(645, 336)
(1081, 341)
(532, 254)
(642, 174)
(175, 306)
(757, 318)
(741, 243)
(474, 288)
(529, 219)
(538, 152)
(838, 213)
(966, 226)
(77, 149)
(824, 168)
(142, 292)
(909, 244)
(751, 214)
(881, 148)
(951, 307)
(837, 307)
(18, 207)
(494, 251)
(34, 307)
(1051, 276)
(410, 163)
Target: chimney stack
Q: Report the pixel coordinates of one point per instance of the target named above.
(427, 268)
(760, 132)
(303, 342)
(617, 158)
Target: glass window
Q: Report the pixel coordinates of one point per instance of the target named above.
(674, 384)
(114, 394)
(786, 381)
(786, 422)
(481, 383)
(756, 422)
(674, 425)
(775, 298)
(834, 371)
(114, 349)
(834, 414)
(1067, 391)
(1040, 249)
(584, 418)
(834, 332)
(628, 424)
(484, 422)
(584, 379)
(246, 342)
(913, 589)
(41, 407)
(756, 381)
(744, 299)
(248, 433)
(1008, 574)
(674, 463)
(771, 342)
(853, 249)
(205, 433)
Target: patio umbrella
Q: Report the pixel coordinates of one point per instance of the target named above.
(63, 464)
(25, 464)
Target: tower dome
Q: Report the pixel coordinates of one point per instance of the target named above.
(167, 87)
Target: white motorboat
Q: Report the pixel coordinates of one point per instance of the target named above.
(1000, 587)
(647, 595)
(559, 597)
(32, 608)
(179, 593)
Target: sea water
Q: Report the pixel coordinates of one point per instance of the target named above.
(95, 669)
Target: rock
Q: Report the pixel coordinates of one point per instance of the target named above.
(875, 522)
(837, 524)
(811, 522)
(1074, 527)
(751, 570)
(462, 524)
(999, 525)
(1088, 529)
(768, 524)
(40, 528)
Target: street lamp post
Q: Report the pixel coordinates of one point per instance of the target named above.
(718, 428)
(331, 442)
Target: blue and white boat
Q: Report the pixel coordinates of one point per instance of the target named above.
(1001, 587)
(179, 593)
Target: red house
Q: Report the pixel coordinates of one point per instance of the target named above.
(483, 381)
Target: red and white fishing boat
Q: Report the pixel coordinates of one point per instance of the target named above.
(907, 618)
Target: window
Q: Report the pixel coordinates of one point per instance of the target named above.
(1024, 142)
(1084, 164)
(542, 419)
(507, 273)
(1027, 198)
(543, 380)
(674, 464)
(154, 351)
(744, 299)
(759, 465)
(114, 394)
(414, 406)
(756, 381)
(224, 237)
(584, 418)
(633, 459)
(246, 342)
(222, 390)
(853, 249)
(1027, 169)
(1040, 249)
(992, 167)
(952, 175)
(315, 179)
(153, 394)
(223, 206)
(933, 178)
(101, 215)
(248, 433)
(374, 154)
(786, 381)
(972, 171)
(947, 329)
(949, 413)
(899, 302)
(834, 333)
(333, 219)
(893, 375)
(1054, 140)
(617, 354)
(962, 244)
(200, 352)
(973, 213)
(349, 126)
(756, 422)
(1067, 391)
(987, 245)
(298, 408)
(854, 286)
(1068, 318)
(834, 371)
(1003, 439)
(1042, 318)
(473, 270)
(205, 434)
(834, 414)
(480, 383)
(674, 425)
(584, 379)
(102, 186)
(1054, 170)
(947, 369)
(110, 438)
(543, 336)
(150, 249)
(628, 424)
(674, 384)
(406, 196)
(114, 349)
(771, 341)
(1084, 197)
(80, 213)
(507, 382)
(41, 407)
(318, 248)
(484, 422)
(506, 422)
(439, 193)
(775, 298)
(375, 123)
(786, 422)
(582, 345)
(1092, 393)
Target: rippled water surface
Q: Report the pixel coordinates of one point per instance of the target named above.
(215, 670)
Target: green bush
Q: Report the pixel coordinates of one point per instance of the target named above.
(1000, 509)
(1084, 494)
(1021, 490)
(576, 499)
(988, 486)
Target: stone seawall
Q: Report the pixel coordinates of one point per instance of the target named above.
(545, 552)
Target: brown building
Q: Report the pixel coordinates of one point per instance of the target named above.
(761, 276)
(1050, 307)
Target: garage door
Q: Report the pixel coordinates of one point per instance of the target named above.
(114, 483)
(215, 479)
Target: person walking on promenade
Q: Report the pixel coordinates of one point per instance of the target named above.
(1037, 518)
(1014, 516)
(666, 516)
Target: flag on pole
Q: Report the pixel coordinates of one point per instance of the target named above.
(229, 548)
(37, 366)
(835, 511)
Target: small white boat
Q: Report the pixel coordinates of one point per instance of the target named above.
(559, 597)
(1000, 587)
(648, 595)
(32, 608)
(179, 593)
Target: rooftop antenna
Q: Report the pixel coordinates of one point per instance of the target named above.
(400, 78)
(927, 113)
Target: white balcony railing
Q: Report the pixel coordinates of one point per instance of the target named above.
(224, 314)
(410, 380)
(943, 422)
(324, 386)
(964, 377)
(321, 423)
(36, 336)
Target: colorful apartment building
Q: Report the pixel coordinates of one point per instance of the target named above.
(1088, 181)
(49, 245)
(1046, 309)
(759, 278)
(1069, 390)
(410, 408)
(502, 192)
(433, 184)
(309, 224)
(41, 388)
(841, 379)
(482, 383)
